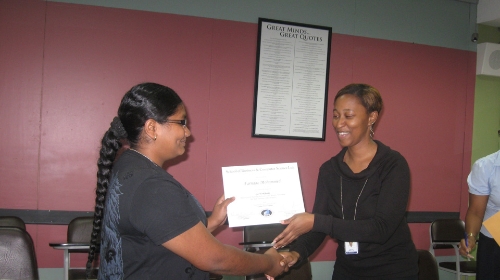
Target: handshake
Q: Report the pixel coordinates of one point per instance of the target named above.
(297, 225)
(281, 262)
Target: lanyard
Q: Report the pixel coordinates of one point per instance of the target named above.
(341, 198)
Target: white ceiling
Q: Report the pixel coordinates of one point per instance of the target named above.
(488, 12)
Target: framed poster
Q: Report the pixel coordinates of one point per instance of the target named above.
(291, 83)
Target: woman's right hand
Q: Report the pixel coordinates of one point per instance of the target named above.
(291, 257)
(298, 224)
(465, 250)
(280, 264)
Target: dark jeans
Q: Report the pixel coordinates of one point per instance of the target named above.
(488, 259)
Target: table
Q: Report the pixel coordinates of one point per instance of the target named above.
(66, 247)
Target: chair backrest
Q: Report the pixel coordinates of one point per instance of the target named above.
(17, 254)
(80, 229)
(427, 266)
(262, 233)
(446, 234)
(447, 230)
(12, 221)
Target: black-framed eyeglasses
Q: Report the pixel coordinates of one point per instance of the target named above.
(181, 122)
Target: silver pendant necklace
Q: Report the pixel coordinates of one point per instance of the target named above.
(144, 156)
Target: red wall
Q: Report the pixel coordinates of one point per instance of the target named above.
(64, 68)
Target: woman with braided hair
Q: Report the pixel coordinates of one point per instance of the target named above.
(150, 226)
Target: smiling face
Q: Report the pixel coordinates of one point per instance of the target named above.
(352, 121)
(172, 136)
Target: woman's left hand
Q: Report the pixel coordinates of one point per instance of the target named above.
(298, 224)
(219, 213)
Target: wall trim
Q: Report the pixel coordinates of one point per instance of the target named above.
(51, 217)
(59, 217)
(429, 217)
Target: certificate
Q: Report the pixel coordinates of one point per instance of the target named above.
(265, 194)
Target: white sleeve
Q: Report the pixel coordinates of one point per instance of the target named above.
(479, 177)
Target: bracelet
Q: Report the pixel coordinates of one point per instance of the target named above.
(471, 235)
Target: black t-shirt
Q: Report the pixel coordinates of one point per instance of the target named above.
(146, 207)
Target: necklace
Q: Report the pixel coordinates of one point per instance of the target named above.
(341, 199)
(144, 156)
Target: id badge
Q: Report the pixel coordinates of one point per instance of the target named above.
(351, 248)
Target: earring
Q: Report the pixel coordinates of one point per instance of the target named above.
(155, 137)
(372, 133)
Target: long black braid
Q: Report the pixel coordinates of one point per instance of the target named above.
(110, 144)
(142, 102)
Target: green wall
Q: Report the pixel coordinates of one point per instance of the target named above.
(485, 138)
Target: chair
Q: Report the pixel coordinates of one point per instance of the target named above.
(17, 254)
(259, 238)
(12, 221)
(79, 231)
(446, 234)
(427, 266)
(78, 241)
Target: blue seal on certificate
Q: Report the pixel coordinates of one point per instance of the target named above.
(266, 213)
